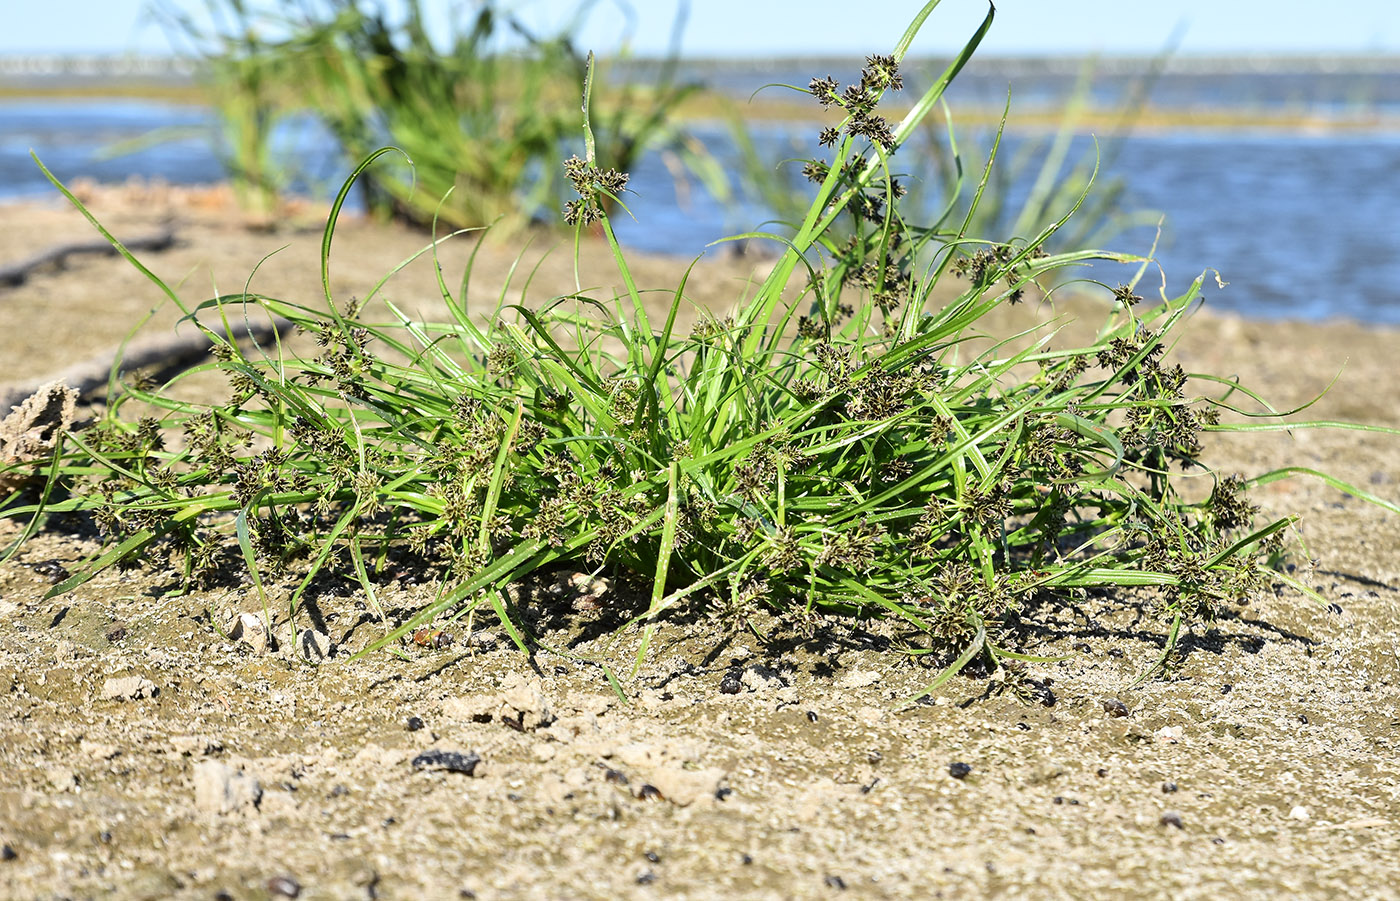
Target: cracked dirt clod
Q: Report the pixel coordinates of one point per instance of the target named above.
(128, 688)
(221, 789)
(29, 431)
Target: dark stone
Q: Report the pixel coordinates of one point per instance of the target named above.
(414, 723)
(959, 770)
(452, 761)
(1114, 707)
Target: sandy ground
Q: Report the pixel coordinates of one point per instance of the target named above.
(143, 756)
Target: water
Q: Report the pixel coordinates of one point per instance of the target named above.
(1301, 226)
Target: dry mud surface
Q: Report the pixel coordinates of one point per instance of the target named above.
(145, 756)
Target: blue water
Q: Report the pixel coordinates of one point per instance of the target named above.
(1301, 226)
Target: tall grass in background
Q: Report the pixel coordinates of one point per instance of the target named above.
(481, 121)
(1025, 194)
(842, 444)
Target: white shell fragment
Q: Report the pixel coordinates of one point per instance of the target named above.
(248, 628)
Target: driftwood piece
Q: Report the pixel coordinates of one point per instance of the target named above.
(168, 352)
(17, 273)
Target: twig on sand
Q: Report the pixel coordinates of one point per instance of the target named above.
(17, 273)
(168, 352)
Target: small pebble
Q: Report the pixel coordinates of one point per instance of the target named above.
(1171, 818)
(649, 792)
(313, 646)
(1303, 718)
(451, 761)
(616, 777)
(7, 853)
(646, 878)
(812, 716)
(1115, 652)
(653, 857)
(731, 684)
(959, 770)
(1168, 788)
(414, 723)
(284, 886)
(835, 882)
(1114, 707)
(1226, 688)
(722, 793)
(1299, 813)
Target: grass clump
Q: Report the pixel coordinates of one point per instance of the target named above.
(843, 444)
(480, 121)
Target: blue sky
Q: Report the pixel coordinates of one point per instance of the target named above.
(781, 27)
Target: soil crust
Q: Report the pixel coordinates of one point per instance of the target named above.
(148, 754)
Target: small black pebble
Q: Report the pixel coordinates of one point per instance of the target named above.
(466, 894)
(1303, 718)
(285, 886)
(959, 770)
(1217, 841)
(1335, 608)
(105, 837)
(223, 895)
(745, 860)
(561, 670)
(414, 723)
(1030, 830)
(1168, 788)
(340, 790)
(653, 857)
(873, 757)
(1115, 652)
(812, 716)
(732, 683)
(722, 793)
(1059, 799)
(1024, 727)
(1114, 707)
(1226, 688)
(649, 792)
(7, 853)
(51, 570)
(514, 798)
(1083, 647)
(646, 878)
(1101, 772)
(835, 882)
(1171, 818)
(616, 777)
(116, 634)
(340, 836)
(452, 761)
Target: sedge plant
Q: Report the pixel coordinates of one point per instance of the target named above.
(842, 444)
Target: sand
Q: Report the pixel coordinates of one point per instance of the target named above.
(146, 756)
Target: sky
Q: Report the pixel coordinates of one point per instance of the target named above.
(755, 28)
